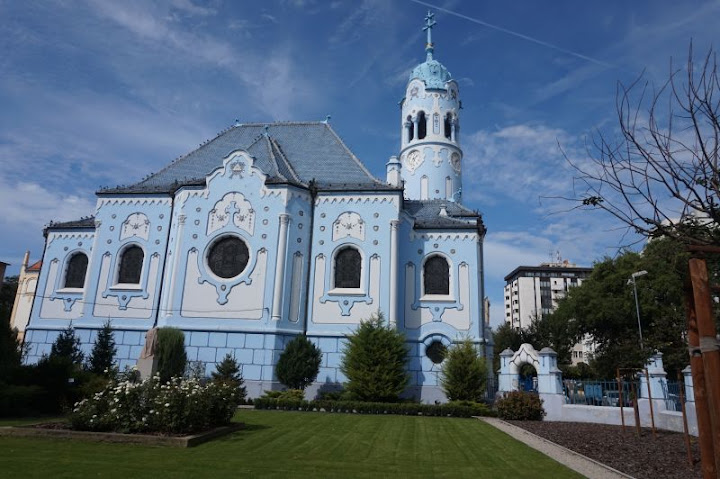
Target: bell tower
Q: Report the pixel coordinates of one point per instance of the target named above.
(430, 154)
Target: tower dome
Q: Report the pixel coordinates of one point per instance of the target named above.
(430, 153)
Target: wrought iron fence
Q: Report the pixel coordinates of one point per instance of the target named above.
(672, 393)
(598, 393)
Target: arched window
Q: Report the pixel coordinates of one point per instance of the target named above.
(131, 263)
(448, 126)
(411, 128)
(436, 276)
(76, 269)
(348, 268)
(422, 125)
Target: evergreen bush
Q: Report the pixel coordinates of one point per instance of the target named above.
(228, 372)
(464, 373)
(102, 356)
(172, 358)
(374, 362)
(520, 406)
(299, 364)
(67, 346)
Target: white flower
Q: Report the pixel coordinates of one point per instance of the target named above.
(167, 404)
(94, 416)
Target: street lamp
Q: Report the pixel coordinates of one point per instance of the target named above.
(637, 305)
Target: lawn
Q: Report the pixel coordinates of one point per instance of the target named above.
(293, 444)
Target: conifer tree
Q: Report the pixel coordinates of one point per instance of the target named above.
(171, 354)
(228, 371)
(10, 347)
(299, 364)
(67, 347)
(103, 353)
(374, 361)
(464, 373)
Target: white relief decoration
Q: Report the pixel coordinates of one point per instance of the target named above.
(237, 168)
(437, 159)
(233, 206)
(413, 160)
(137, 224)
(455, 161)
(349, 224)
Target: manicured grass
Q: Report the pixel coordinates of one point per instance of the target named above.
(294, 444)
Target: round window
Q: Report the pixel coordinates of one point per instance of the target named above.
(436, 352)
(228, 257)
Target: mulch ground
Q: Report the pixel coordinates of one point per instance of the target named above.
(641, 456)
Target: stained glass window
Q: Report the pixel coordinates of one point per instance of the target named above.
(436, 276)
(348, 266)
(76, 269)
(131, 264)
(228, 257)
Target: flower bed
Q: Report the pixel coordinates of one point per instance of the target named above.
(178, 406)
(450, 409)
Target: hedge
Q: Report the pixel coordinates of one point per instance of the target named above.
(360, 407)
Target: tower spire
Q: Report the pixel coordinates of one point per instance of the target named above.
(429, 23)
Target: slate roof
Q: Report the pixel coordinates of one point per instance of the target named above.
(427, 215)
(294, 153)
(86, 222)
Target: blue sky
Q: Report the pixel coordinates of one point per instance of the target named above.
(102, 92)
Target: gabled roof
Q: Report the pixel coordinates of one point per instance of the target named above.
(428, 215)
(34, 267)
(294, 153)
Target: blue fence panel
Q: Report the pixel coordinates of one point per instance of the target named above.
(597, 393)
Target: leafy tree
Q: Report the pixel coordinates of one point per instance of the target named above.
(604, 307)
(228, 372)
(103, 353)
(374, 361)
(67, 347)
(10, 345)
(171, 354)
(299, 363)
(554, 331)
(464, 373)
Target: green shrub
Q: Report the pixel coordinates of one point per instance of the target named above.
(23, 400)
(172, 358)
(299, 363)
(67, 346)
(177, 406)
(287, 395)
(363, 407)
(464, 373)
(228, 372)
(374, 362)
(520, 406)
(103, 352)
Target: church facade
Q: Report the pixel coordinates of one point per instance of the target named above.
(272, 230)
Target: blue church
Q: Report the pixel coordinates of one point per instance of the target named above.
(273, 230)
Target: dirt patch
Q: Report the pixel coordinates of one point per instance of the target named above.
(641, 456)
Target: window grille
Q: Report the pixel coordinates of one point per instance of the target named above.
(131, 264)
(76, 269)
(348, 268)
(228, 257)
(436, 276)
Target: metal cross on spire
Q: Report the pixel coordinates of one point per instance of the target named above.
(429, 23)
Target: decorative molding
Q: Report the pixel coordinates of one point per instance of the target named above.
(355, 199)
(232, 206)
(135, 201)
(444, 236)
(136, 224)
(348, 224)
(455, 161)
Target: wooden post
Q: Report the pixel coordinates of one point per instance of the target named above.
(686, 434)
(652, 414)
(705, 438)
(620, 399)
(707, 344)
(635, 407)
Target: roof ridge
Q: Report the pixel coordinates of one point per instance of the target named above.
(281, 153)
(271, 153)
